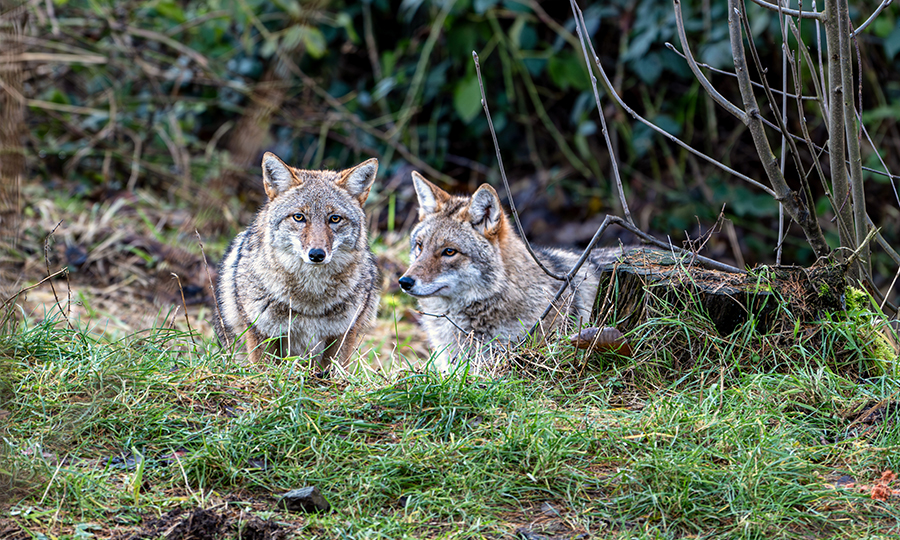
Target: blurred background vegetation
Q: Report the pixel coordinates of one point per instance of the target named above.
(178, 99)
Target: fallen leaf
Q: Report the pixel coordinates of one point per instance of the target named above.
(601, 339)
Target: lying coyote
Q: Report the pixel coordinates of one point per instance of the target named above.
(473, 275)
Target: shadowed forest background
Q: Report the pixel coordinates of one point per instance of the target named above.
(160, 111)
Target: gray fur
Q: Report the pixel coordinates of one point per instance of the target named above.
(489, 292)
(269, 287)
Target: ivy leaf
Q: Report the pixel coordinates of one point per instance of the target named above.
(568, 71)
(892, 44)
(481, 6)
(315, 42)
(269, 47)
(170, 11)
(467, 99)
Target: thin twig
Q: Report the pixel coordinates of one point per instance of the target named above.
(212, 289)
(887, 293)
(814, 150)
(38, 284)
(878, 10)
(861, 249)
(512, 202)
(701, 78)
(607, 221)
(801, 212)
(784, 97)
(47, 262)
(730, 74)
(791, 12)
(442, 316)
(820, 99)
(607, 84)
(782, 126)
(183, 303)
(613, 158)
(880, 160)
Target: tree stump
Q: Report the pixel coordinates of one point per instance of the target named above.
(648, 282)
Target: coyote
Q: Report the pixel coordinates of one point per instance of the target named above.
(476, 282)
(302, 272)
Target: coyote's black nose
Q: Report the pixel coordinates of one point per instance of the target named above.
(317, 255)
(407, 283)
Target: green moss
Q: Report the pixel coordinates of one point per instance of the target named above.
(857, 299)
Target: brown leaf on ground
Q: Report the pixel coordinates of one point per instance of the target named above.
(881, 491)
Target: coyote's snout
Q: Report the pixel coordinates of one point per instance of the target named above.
(476, 281)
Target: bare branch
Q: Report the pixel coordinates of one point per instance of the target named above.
(822, 92)
(784, 97)
(790, 12)
(798, 210)
(730, 74)
(607, 85)
(840, 187)
(892, 253)
(701, 78)
(814, 150)
(851, 128)
(818, 84)
(878, 10)
(512, 202)
(887, 171)
(778, 114)
(614, 160)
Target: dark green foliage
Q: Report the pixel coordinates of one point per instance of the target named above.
(175, 78)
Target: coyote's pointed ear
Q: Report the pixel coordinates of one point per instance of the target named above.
(357, 181)
(277, 176)
(430, 196)
(485, 212)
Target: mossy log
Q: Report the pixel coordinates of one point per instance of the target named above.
(646, 283)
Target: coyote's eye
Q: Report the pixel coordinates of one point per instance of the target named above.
(299, 218)
(418, 249)
(449, 252)
(335, 219)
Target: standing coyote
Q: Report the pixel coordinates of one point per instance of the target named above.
(476, 281)
(302, 272)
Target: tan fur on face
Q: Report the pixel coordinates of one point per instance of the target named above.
(490, 292)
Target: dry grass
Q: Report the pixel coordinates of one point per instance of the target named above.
(122, 256)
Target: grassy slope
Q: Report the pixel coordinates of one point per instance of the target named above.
(742, 436)
(723, 449)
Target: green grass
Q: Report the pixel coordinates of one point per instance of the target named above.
(744, 442)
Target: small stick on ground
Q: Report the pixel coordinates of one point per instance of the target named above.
(212, 287)
(47, 262)
(38, 284)
(184, 304)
